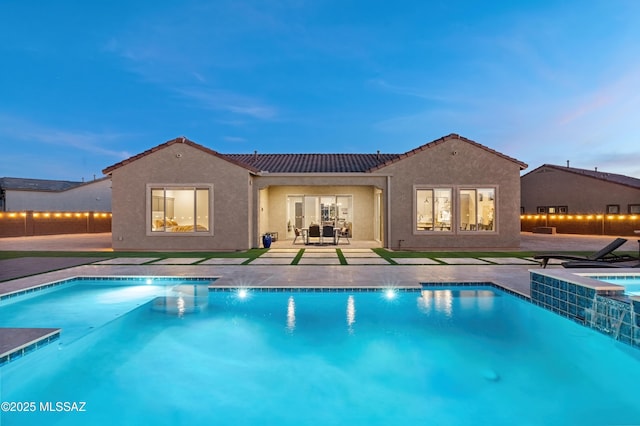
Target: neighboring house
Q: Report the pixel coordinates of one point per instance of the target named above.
(568, 190)
(450, 193)
(17, 194)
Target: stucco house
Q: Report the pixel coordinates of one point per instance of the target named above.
(568, 190)
(449, 193)
(20, 194)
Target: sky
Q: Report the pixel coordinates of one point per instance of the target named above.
(86, 84)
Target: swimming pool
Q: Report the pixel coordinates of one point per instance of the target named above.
(631, 283)
(291, 356)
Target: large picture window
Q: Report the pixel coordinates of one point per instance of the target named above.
(433, 209)
(180, 209)
(477, 209)
(455, 210)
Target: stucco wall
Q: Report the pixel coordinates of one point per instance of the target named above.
(246, 206)
(454, 163)
(181, 164)
(92, 196)
(581, 194)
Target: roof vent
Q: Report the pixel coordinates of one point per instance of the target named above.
(378, 154)
(255, 154)
(567, 163)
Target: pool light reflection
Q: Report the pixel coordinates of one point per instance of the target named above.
(243, 293)
(390, 294)
(291, 314)
(351, 313)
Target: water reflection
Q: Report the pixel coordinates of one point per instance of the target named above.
(180, 306)
(351, 313)
(480, 300)
(291, 314)
(436, 300)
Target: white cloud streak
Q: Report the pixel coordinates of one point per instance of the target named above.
(219, 100)
(20, 129)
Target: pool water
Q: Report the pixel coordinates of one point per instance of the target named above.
(631, 284)
(447, 356)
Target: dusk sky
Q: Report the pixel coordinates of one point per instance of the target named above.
(86, 84)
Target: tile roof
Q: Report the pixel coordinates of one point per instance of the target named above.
(20, 184)
(444, 139)
(310, 163)
(604, 176)
(313, 163)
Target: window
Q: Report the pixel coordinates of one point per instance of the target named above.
(552, 209)
(180, 209)
(477, 209)
(634, 208)
(613, 208)
(433, 209)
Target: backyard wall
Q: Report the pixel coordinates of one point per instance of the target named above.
(30, 223)
(585, 224)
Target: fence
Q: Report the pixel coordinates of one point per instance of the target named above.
(30, 223)
(587, 224)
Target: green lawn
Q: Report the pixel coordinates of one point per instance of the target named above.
(253, 253)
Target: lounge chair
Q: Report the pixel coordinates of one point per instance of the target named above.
(604, 255)
(601, 264)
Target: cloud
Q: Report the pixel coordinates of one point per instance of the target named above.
(220, 100)
(168, 68)
(234, 139)
(409, 91)
(20, 129)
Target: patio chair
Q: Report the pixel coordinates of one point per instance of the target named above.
(298, 235)
(314, 232)
(328, 232)
(604, 255)
(343, 233)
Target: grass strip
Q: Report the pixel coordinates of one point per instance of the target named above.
(298, 257)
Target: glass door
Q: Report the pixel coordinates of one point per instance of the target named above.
(306, 210)
(295, 214)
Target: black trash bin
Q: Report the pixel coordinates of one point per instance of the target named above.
(266, 240)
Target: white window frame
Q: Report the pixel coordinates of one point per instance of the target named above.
(495, 209)
(433, 231)
(455, 209)
(174, 186)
